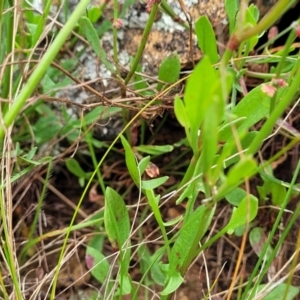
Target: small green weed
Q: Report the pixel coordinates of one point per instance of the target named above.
(225, 127)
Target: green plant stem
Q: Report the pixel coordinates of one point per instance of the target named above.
(270, 18)
(271, 41)
(8, 249)
(41, 68)
(143, 42)
(281, 64)
(263, 76)
(277, 112)
(3, 289)
(285, 53)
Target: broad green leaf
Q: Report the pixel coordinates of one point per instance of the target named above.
(206, 38)
(198, 94)
(75, 168)
(251, 109)
(290, 292)
(91, 35)
(117, 226)
(173, 221)
(278, 194)
(169, 70)
(143, 164)
(245, 168)
(97, 263)
(243, 214)
(94, 14)
(180, 113)
(188, 238)
(252, 15)
(125, 283)
(131, 163)
(258, 238)
(116, 219)
(198, 91)
(173, 284)
(36, 22)
(251, 18)
(156, 273)
(209, 135)
(154, 150)
(231, 7)
(235, 196)
(46, 128)
(154, 183)
(97, 241)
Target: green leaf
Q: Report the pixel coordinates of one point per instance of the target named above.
(94, 14)
(279, 291)
(116, 219)
(91, 35)
(245, 168)
(243, 214)
(97, 241)
(117, 226)
(154, 150)
(235, 196)
(169, 70)
(97, 263)
(173, 284)
(232, 7)
(31, 153)
(210, 135)
(251, 109)
(156, 273)
(180, 113)
(198, 95)
(143, 164)
(131, 163)
(278, 194)
(206, 38)
(154, 183)
(75, 168)
(188, 239)
(173, 221)
(258, 238)
(125, 283)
